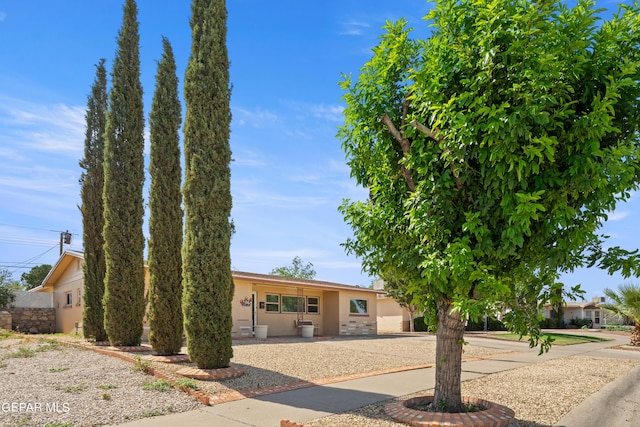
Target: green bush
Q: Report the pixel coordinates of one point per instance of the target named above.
(551, 324)
(478, 325)
(580, 322)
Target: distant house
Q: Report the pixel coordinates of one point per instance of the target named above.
(392, 317)
(281, 303)
(581, 310)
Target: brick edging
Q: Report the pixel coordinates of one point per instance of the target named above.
(494, 415)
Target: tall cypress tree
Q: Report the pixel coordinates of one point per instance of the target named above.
(165, 199)
(91, 186)
(208, 284)
(123, 181)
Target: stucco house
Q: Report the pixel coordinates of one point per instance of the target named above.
(589, 310)
(281, 303)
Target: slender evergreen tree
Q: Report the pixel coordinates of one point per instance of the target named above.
(92, 208)
(208, 284)
(165, 199)
(123, 181)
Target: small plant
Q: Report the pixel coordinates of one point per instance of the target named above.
(59, 425)
(6, 334)
(189, 383)
(106, 396)
(22, 352)
(58, 369)
(106, 386)
(153, 413)
(160, 385)
(73, 388)
(2, 364)
(141, 365)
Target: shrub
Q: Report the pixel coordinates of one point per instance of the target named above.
(580, 322)
(478, 325)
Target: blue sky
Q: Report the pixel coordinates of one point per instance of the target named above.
(289, 173)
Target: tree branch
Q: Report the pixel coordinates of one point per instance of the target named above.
(405, 145)
(422, 128)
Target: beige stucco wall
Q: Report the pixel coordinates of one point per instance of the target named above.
(242, 314)
(358, 324)
(285, 323)
(71, 281)
(391, 317)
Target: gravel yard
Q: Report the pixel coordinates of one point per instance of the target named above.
(539, 394)
(59, 385)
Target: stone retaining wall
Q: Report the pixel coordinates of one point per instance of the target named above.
(33, 320)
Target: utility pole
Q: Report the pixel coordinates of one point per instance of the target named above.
(65, 237)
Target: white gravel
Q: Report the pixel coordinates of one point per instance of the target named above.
(540, 394)
(57, 384)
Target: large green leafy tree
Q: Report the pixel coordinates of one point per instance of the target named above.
(7, 286)
(123, 181)
(626, 302)
(492, 153)
(297, 269)
(208, 284)
(34, 277)
(165, 200)
(92, 207)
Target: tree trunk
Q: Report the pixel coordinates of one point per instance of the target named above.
(635, 335)
(449, 338)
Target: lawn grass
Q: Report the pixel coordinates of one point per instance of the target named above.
(558, 338)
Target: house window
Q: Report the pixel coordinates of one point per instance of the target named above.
(313, 305)
(273, 303)
(69, 299)
(358, 306)
(597, 319)
(291, 304)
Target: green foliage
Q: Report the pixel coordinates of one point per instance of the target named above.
(493, 152)
(580, 323)
(297, 269)
(140, 365)
(160, 385)
(7, 286)
(124, 303)
(106, 386)
(35, 276)
(165, 200)
(207, 280)
(625, 301)
(478, 325)
(189, 383)
(92, 208)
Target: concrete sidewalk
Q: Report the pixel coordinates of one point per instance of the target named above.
(617, 403)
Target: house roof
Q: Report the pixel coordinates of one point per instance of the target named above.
(56, 271)
(267, 279)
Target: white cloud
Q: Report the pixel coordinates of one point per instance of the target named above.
(46, 128)
(353, 28)
(247, 193)
(617, 216)
(332, 113)
(247, 158)
(255, 118)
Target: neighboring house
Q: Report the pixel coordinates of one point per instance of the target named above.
(282, 303)
(392, 317)
(581, 310)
